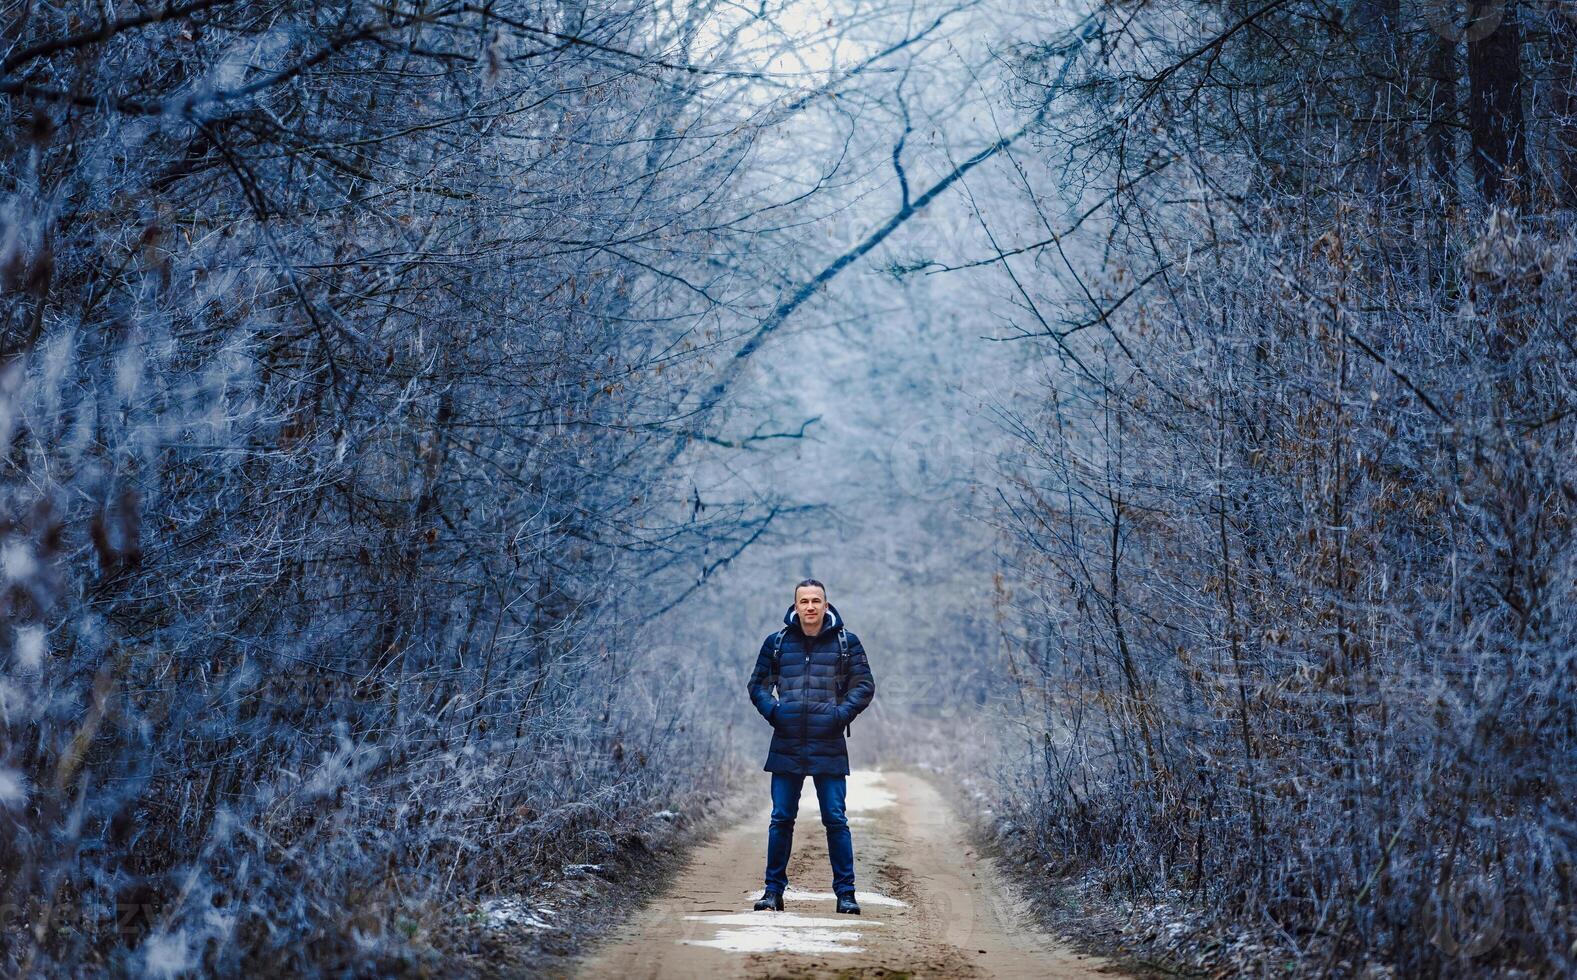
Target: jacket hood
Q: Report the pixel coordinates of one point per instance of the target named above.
(830, 620)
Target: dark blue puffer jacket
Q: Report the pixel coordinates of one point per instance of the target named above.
(807, 720)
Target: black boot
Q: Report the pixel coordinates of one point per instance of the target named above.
(846, 903)
(770, 900)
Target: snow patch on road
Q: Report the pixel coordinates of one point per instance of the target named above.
(867, 791)
(766, 939)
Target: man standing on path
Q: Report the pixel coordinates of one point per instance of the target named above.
(822, 683)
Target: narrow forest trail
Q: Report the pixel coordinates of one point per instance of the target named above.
(932, 905)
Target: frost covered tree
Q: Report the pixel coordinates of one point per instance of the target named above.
(343, 352)
(1294, 525)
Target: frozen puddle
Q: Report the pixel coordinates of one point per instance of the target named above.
(781, 932)
(795, 895)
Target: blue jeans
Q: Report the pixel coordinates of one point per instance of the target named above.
(830, 792)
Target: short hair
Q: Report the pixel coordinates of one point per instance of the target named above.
(810, 581)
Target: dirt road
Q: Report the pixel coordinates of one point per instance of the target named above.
(932, 906)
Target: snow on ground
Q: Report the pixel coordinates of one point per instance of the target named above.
(784, 939)
(507, 910)
(866, 791)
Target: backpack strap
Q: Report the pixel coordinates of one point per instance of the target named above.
(777, 653)
(844, 668)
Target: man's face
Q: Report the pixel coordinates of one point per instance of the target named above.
(811, 604)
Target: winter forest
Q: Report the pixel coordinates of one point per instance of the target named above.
(414, 415)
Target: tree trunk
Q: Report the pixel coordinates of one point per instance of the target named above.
(1563, 99)
(1495, 117)
(1443, 75)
